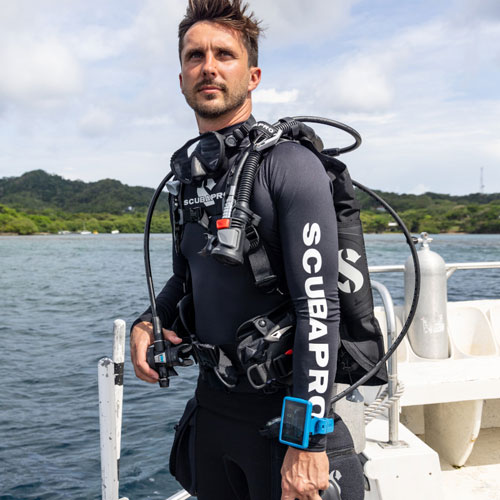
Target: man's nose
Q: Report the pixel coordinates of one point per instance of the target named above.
(209, 65)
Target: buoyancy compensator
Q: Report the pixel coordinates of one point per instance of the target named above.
(361, 359)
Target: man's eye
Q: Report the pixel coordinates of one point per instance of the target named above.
(225, 53)
(195, 55)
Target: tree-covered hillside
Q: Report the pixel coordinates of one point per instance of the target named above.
(37, 190)
(39, 202)
(433, 212)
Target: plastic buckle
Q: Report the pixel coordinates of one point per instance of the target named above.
(207, 355)
(321, 425)
(271, 136)
(267, 284)
(260, 372)
(252, 236)
(192, 214)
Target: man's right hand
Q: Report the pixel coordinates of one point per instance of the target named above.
(141, 338)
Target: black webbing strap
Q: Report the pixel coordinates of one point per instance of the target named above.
(214, 361)
(262, 271)
(197, 215)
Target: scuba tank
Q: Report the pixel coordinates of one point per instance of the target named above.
(428, 334)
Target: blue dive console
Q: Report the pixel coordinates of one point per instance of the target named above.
(297, 423)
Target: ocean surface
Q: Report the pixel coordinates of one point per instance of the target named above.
(59, 296)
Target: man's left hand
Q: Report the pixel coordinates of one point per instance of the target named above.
(303, 474)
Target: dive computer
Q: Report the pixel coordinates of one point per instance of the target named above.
(297, 423)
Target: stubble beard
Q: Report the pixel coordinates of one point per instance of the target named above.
(203, 106)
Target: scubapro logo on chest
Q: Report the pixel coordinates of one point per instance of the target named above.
(204, 196)
(206, 200)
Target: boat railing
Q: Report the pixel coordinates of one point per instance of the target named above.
(180, 495)
(110, 381)
(392, 363)
(450, 268)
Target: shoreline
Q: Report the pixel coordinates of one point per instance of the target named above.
(98, 234)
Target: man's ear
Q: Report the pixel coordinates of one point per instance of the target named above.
(180, 82)
(255, 76)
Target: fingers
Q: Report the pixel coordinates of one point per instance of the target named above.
(300, 494)
(171, 336)
(141, 338)
(303, 473)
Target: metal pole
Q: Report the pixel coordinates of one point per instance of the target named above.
(180, 495)
(392, 363)
(118, 360)
(107, 423)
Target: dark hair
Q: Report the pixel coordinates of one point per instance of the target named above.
(229, 13)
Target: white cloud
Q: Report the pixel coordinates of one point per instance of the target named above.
(37, 71)
(274, 96)
(296, 22)
(95, 122)
(361, 85)
(419, 87)
(153, 121)
(97, 43)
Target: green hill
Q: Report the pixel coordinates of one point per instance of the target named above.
(433, 212)
(41, 202)
(37, 191)
(38, 202)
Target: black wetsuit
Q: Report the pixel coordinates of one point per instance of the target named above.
(292, 195)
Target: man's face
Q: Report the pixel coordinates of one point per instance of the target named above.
(215, 78)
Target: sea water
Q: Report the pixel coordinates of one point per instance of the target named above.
(59, 296)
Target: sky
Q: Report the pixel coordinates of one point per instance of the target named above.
(89, 89)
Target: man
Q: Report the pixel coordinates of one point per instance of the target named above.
(218, 49)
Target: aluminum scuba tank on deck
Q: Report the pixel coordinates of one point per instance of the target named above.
(428, 334)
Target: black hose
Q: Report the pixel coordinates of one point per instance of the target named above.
(147, 261)
(335, 124)
(246, 183)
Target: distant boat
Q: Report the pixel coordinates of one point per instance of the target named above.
(85, 232)
(115, 231)
(64, 232)
(95, 232)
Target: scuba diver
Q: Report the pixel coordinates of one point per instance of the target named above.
(236, 452)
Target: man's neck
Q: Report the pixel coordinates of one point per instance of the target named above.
(237, 116)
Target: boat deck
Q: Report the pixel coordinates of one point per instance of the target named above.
(479, 478)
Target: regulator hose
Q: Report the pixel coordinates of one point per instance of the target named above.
(160, 346)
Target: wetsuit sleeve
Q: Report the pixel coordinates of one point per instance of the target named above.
(302, 195)
(172, 292)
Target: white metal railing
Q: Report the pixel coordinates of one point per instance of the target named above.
(392, 362)
(450, 268)
(180, 495)
(110, 381)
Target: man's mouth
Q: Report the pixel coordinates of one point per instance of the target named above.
(210, 88)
